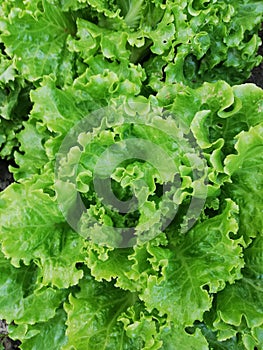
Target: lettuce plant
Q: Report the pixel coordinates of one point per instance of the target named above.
(135, 219)
(71, 277)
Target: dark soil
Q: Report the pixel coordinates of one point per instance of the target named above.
(5, 177)
(257, 76)
(8, 343)
(257, 73)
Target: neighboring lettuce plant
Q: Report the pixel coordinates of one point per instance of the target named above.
(136, 218)
(119, 47)
(174, 41)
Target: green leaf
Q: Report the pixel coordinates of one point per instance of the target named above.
(8, 101)
(198, 265)
(59, 269)
(31, 140)
(43, 36)
(245, 168)
(142, 327)
(27, 220)
(58, 113)
(93, 315)
(7, 71)
(106, 264)
(250, 290)
(243, 299)
(52, 244)
(92, 39)
(238, 312)
(50, 334)
(21, 295)
(233, 343)
(8, 137)
(112, 90)
(177, 337)
(254, 258)
(244, 111)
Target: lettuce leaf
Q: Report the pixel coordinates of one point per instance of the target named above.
(196, 268)
(22, 294)
(41, 236)
(43, 32)
(97, 323)
(238, 312)
(41, 335)
(246, 185)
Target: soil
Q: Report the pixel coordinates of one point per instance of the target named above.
(257, 76)
(6, 179)
(257, 73)
(4, 340)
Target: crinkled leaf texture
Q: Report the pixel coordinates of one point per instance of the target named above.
(196, 267)
(44, 35)
(246, 168)
(39, 233)
(14, 105)
(238, 315)
(93, 318)
(50, 334)
(22, 294)
(113, 318)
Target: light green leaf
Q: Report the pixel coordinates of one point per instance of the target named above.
(7, 71)
(27, 220)
(106, 264)
(58, 113)
(238, 311)
(60, 269)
